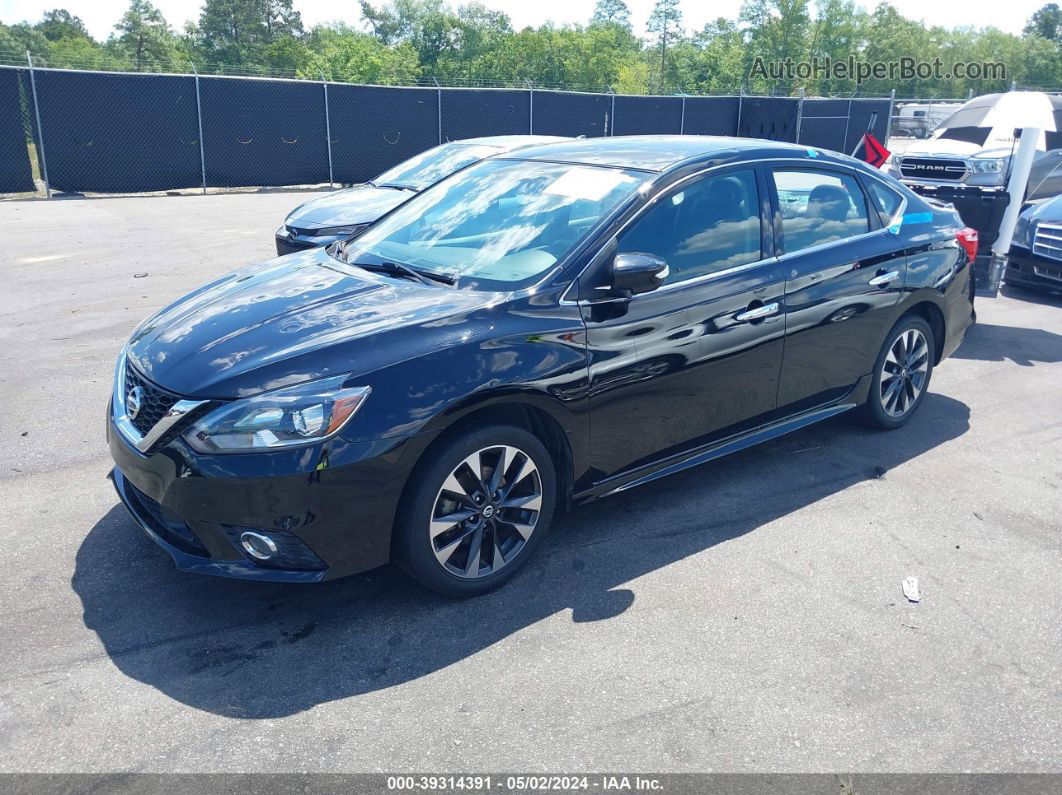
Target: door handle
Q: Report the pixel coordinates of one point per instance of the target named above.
(883, 279)
(757, 313)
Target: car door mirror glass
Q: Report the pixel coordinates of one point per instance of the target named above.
(634, 273)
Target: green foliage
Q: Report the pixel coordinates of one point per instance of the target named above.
(145, 34)
(402, 41)
(1046, 23)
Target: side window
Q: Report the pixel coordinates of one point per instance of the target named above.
(885, 201)
(819, 207)
(705, 227)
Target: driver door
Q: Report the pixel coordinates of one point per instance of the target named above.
(698, 357)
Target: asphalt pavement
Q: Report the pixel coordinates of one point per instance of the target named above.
(743, 616)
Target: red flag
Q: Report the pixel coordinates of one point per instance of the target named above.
(870, 150)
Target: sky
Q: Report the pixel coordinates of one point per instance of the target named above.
(101, 15)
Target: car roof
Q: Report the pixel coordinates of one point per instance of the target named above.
(662, 152)
(506, 143)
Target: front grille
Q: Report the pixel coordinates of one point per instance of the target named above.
(285, 246)
(154, 403)
(164, 521)
(1047, 242)
(939, 169)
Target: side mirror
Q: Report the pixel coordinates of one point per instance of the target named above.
(637, 273)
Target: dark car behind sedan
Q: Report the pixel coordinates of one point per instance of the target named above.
(539, 330)
(343, 213)
(1035, 258)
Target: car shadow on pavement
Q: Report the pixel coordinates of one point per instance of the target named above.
(256, 650)
(1023, 346)
(1050, 298)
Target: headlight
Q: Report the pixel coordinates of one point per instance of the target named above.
(1022, 231)
(329, 231)
(987, 165)
(286, 417)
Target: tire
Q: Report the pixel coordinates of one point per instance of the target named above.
(445, 484)
(892, 405)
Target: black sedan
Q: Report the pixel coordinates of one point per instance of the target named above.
(542, 329)
(344, 213)
(1035, 258)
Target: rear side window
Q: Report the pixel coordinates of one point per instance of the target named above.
(706, 227)
(819, 207)
(886, 202)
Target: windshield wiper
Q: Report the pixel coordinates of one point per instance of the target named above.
(400, 269)
(339, 251)
(395, 186)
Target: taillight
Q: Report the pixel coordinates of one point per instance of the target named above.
(967, 238)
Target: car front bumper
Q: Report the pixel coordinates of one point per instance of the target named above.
(330, 511)
(1025, 269)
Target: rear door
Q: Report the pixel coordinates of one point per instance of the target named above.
(844, 274)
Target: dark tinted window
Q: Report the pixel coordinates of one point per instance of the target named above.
(972, 135)
(819, 207)
(709, 226)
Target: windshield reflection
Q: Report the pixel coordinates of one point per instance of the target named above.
(500, 223)
(430, 166)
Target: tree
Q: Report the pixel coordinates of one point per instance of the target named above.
(61, 24)
(666, 23)
(779, 30)
(612, 12)
(238, 32)
(1046, 23)
(145, 34)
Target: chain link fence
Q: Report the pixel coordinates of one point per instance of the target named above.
(73, 131)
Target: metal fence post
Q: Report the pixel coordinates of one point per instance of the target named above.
(530, 107)
(741, 98)
(800, 114)
(682, 118)
(438, 105)
(199, 119)
(328, 133)
(612, 113)
(892, 109)
(848, 121)
(40, 132)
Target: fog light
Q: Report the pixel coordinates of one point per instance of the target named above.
(258, 546)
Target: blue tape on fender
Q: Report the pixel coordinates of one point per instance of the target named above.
(812, 152)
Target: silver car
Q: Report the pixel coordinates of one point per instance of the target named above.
(344, 213)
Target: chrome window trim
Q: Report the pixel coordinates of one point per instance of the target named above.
(143, 442)
(766, 162)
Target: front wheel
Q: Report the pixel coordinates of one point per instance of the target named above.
(477, 507)
(901, 374)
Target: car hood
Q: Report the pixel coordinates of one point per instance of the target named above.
(949, 147)
(296, 318)
(1049, 211)
(362, 204)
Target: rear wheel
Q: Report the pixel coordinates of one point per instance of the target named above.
(478, 506)
(901, 374)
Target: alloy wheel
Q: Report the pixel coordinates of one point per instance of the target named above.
(903, 374)
(485, 511)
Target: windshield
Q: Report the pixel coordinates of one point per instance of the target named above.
(500, 223)
(972, 135)
(429, 167)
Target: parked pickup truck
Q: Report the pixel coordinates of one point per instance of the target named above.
(976, 159)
